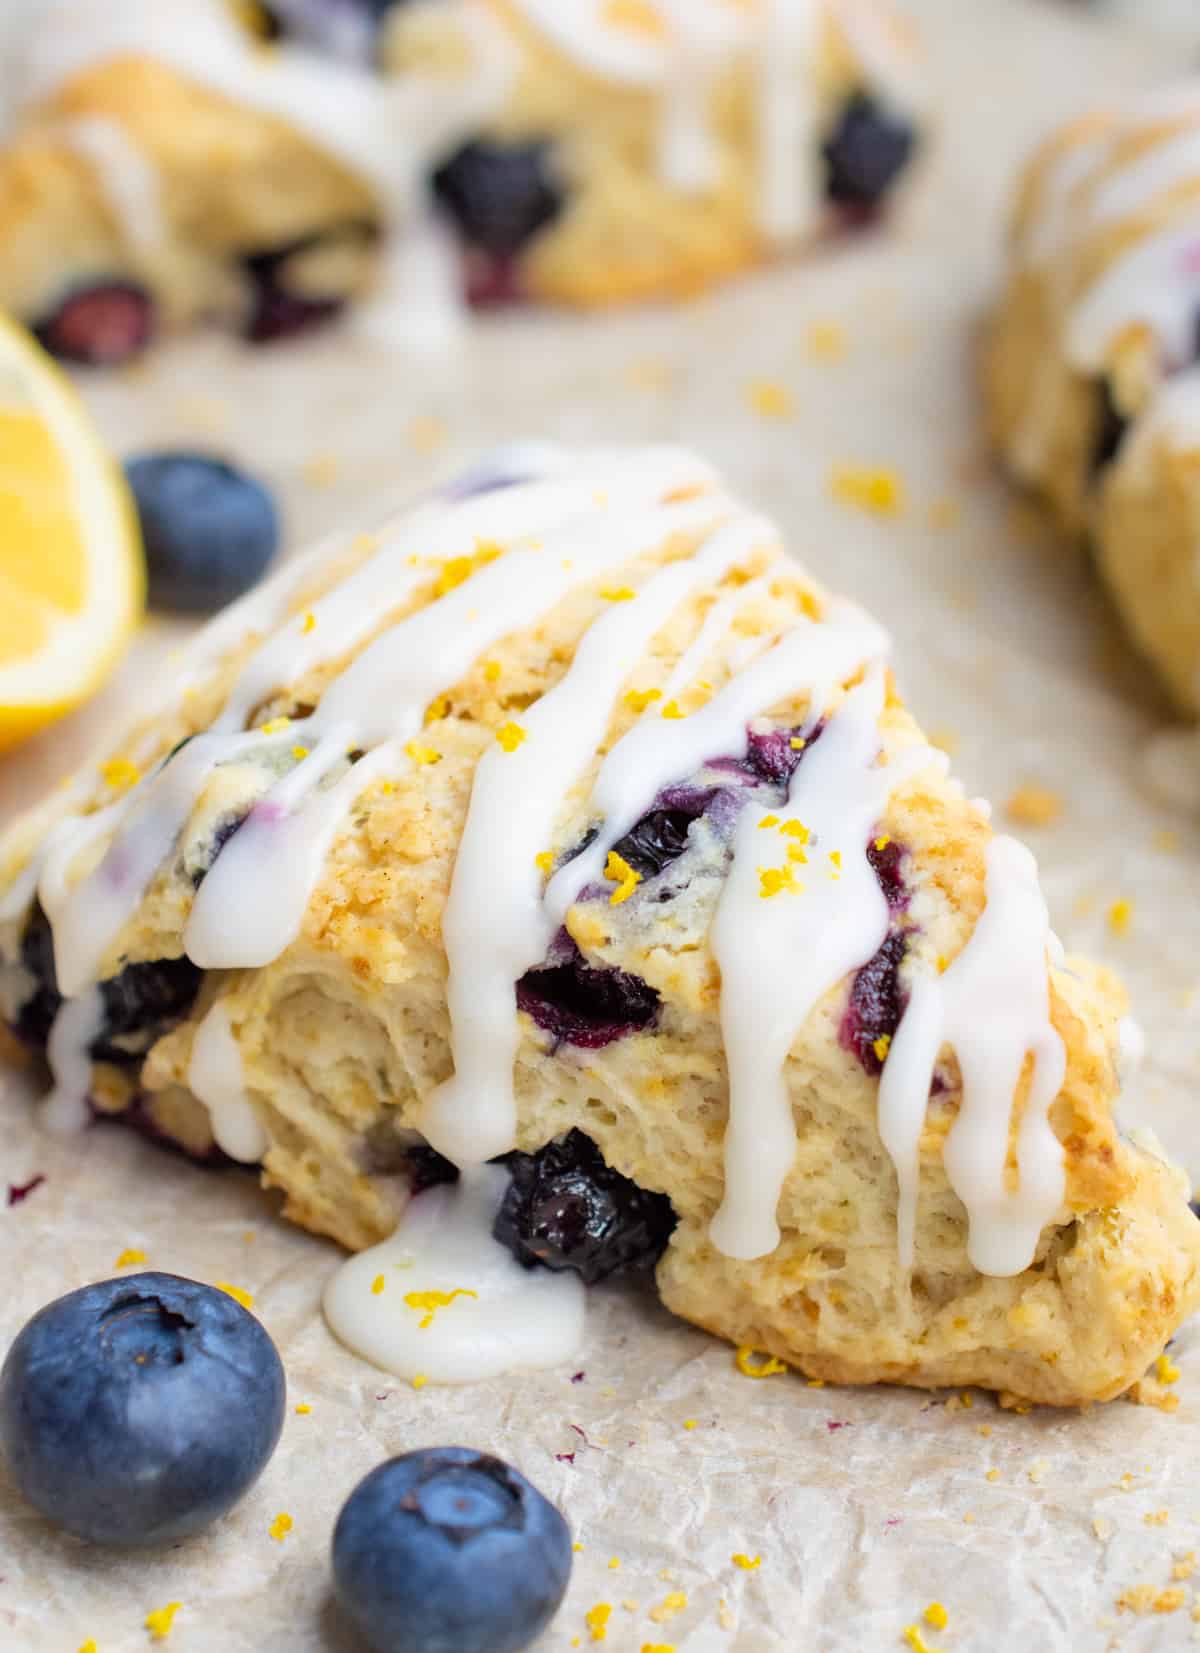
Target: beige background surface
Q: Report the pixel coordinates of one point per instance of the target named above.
(864, 1506)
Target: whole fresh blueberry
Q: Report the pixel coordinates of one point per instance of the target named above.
(138, 1411)
(449, 1551)
(499, 195)
(99, 325)
(209, 529)
(866, 152)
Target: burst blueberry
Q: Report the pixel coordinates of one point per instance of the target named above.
(138, 1411)
(866, 152)
(209, 529)
(877, 1002)
(499, 195)
(580, 1004)
(448, 1550)
(99, 325)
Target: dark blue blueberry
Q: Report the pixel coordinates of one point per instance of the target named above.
(277, 313)
(877, 1003)
(138, 1411)
(499, 195)
(1111, 426)
(866, 152)
(661, 836)
(580, 1004)
(888, 863)
(773, 758)
(566, 1208)
(209, 530)
(449, 1551)
(99, 325)
(344, 29)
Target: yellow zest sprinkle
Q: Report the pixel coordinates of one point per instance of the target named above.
(880, 492)
(667, 1608)
(1120, 916)
(816, 1383)
(658, 1647)
(746, 1360)
(618, 593)
(916, 1640)
(280, 1527)
(310, 622)
(635, 14)
(769, 821)
(456, 570)
(510, 735)
(797, 743)
(619, 872)
(936, 1615)
(881, 1046)
(420, 753)
(236, 1292)
(1034, 806)
(577, 1547)
(275, 726)
(796, 829)
(299, 753)
(304, 1409)
(825, 341)
(89, 1646)
(120, 773)
(596, 1618)
(159, 1622)
(1165, 1371)
(614, 1563)
(638, 699)
(796, 853)
(671, 710)
(377, 1285)
(770, 399)
(429, 1302)
(747, 1563)
(691, 1423)
(438, 709)
(419, 1380)
(992, 1475)
(943, 964)
(544, 861)
(835, 855)
(882, 842)
(128, 1256)
(774, 880)
(491, 671)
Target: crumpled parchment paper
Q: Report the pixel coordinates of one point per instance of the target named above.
(863, 1506)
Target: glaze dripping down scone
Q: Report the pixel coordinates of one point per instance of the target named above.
(567, 823)
(266, 163)
(1090, 362)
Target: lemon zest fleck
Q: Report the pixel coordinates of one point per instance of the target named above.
(1120, 916)
(878, 491)
(775, 880)
(770, 399)
(619, 872)
(310, 622)
(882, 842)
(421, 754)
(377, 1285)
(797, 853)
(89, 1646)
(544, 861)
(129, 1256)
(671, 711)
(159, 1622)
(299, 753)
(275, 726)
(120, 773)
(796, 829)
(596, 1618)
(747, 1563)
(303, 1409)
(239, 1296)
(797, 743)
(419, 1380)
(691, 1423)
(281, 1526)
(769, 821)
(491, 671)
(639, 15)
(429, 1302)
(673, 1602)
(825, 341)
(638, 699)
(835, 855)
(658, 1647)
(455, 571)
(438, 709)
(936, 1615)
(510, 735)
(618, 593)
(746, 1357)
(916, 1640)
(881, 1046)
(1165, 1370)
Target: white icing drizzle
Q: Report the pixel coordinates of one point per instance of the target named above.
(64, 1111)
(130, 184)
(716, 623)
(1156, 282)
(215, 1077)
(789, 199)
(495, 925)
(992, 1006)
(780, 954)
(514, 1319)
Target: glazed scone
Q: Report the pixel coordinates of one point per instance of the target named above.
(265, 163)
(1090, 376)
(567, 823)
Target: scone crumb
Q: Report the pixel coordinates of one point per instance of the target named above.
(245, 1298)
(1120, 916)
(879, 491)
(1165, 1369)
(1145, 1598)
(120, 774)
(618, 871)
(280, 1527)
(510, 735)
(130, 1256)
(1037, 1471)
(936, 1615)
(1157, 1518)
(596, 1618)
(725, 1617)
(747, 1563)
(1185, 1566)
(159, 1622)
(770, 399)
(746, 1360)
(1034, 806)
(321, 470)
(673, 1603)
(1102, 1527)
(916, 1640)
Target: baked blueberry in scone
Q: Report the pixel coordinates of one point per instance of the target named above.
(1090, 363)
(558, 872)
(265, 164)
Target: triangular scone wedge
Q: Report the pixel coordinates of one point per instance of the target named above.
(568, 804)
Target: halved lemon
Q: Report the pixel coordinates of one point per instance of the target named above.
(71, 572)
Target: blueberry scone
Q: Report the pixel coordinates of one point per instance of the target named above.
(266, 162)
(1092, 387)
(566, 845)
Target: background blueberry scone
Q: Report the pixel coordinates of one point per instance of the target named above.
(566, 823)
(1092, 387)
(265, 163)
